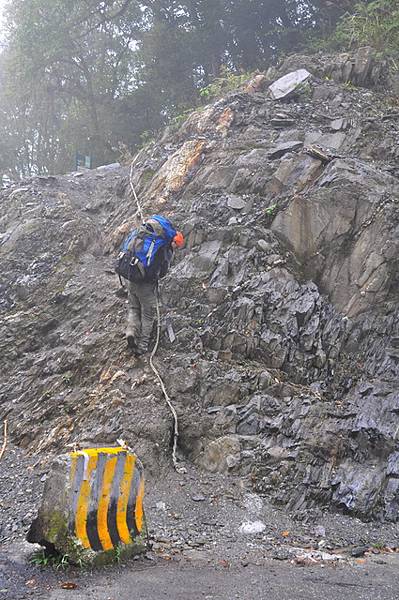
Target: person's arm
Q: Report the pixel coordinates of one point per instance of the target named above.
(166, 259)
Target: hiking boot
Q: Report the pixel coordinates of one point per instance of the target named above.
(140, 351)
(121, 293)
(131, 342)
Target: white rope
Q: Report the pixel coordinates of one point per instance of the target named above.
(178, 468)
(139, 211)
(4, 446)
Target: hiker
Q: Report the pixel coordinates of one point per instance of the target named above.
(145, 258)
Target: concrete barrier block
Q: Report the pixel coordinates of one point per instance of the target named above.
(92, 504)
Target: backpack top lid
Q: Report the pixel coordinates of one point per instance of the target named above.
(168, 230)
(155, 228)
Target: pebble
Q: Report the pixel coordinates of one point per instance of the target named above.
(253, 527)
(320, 531)
(198, 498)
(359, 551)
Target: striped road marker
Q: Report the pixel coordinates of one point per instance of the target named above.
(107, 490)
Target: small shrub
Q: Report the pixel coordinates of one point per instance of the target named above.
(179, 119)
(117, 553)
(372, 24)
(271, 210)
(226, 82)
(44, 558)
(146, 138)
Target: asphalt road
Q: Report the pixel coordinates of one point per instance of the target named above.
(273, 580)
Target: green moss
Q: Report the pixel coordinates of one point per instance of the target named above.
(66, 545)
(120, 553)
(57, 533)
(148, 175)
(57, 527)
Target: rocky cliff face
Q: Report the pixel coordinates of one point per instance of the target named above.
(284, 302)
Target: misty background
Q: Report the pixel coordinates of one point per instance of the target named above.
(96, 80)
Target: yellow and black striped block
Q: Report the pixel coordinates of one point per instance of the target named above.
(107, 490)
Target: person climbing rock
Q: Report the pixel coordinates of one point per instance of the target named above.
(145, 258)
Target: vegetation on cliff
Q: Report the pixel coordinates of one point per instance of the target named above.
(93, 77)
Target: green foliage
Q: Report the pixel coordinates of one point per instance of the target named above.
(226, 82)
(43, 558)
(348, 85)
(305, 89)
(146, 137)
(271, 210)
(369, 23)
(181, 117)
(118, 551)
(379, 545)
(374, 24)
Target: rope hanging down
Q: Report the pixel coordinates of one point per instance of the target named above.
(172, 409)
(165, 393)
(138, 212)
(4, 446)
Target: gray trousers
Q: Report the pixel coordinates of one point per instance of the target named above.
(141, 312)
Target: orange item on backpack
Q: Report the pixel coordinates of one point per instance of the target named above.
(179, 239)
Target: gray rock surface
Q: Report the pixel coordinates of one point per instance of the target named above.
(285, 365)
(363, 67)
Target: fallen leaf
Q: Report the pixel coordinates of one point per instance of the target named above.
(360, 561)
(68, 585)
(285, 533)
(224, 563)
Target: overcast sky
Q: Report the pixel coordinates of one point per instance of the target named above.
(2, 3)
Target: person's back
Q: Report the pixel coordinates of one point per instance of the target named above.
(145, 258)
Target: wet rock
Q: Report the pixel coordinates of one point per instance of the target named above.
(256, 84)
(198, 498)
(320, 531)
(236, 202)
(221, 455)
(364, 59)
(359, 551)
(177, 170)
(252, 527)
(281, 149)
(361, 67)
(110, 167)
(297, 172)
(339, 124)
(263, 245)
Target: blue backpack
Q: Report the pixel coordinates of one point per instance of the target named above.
(139, 249)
